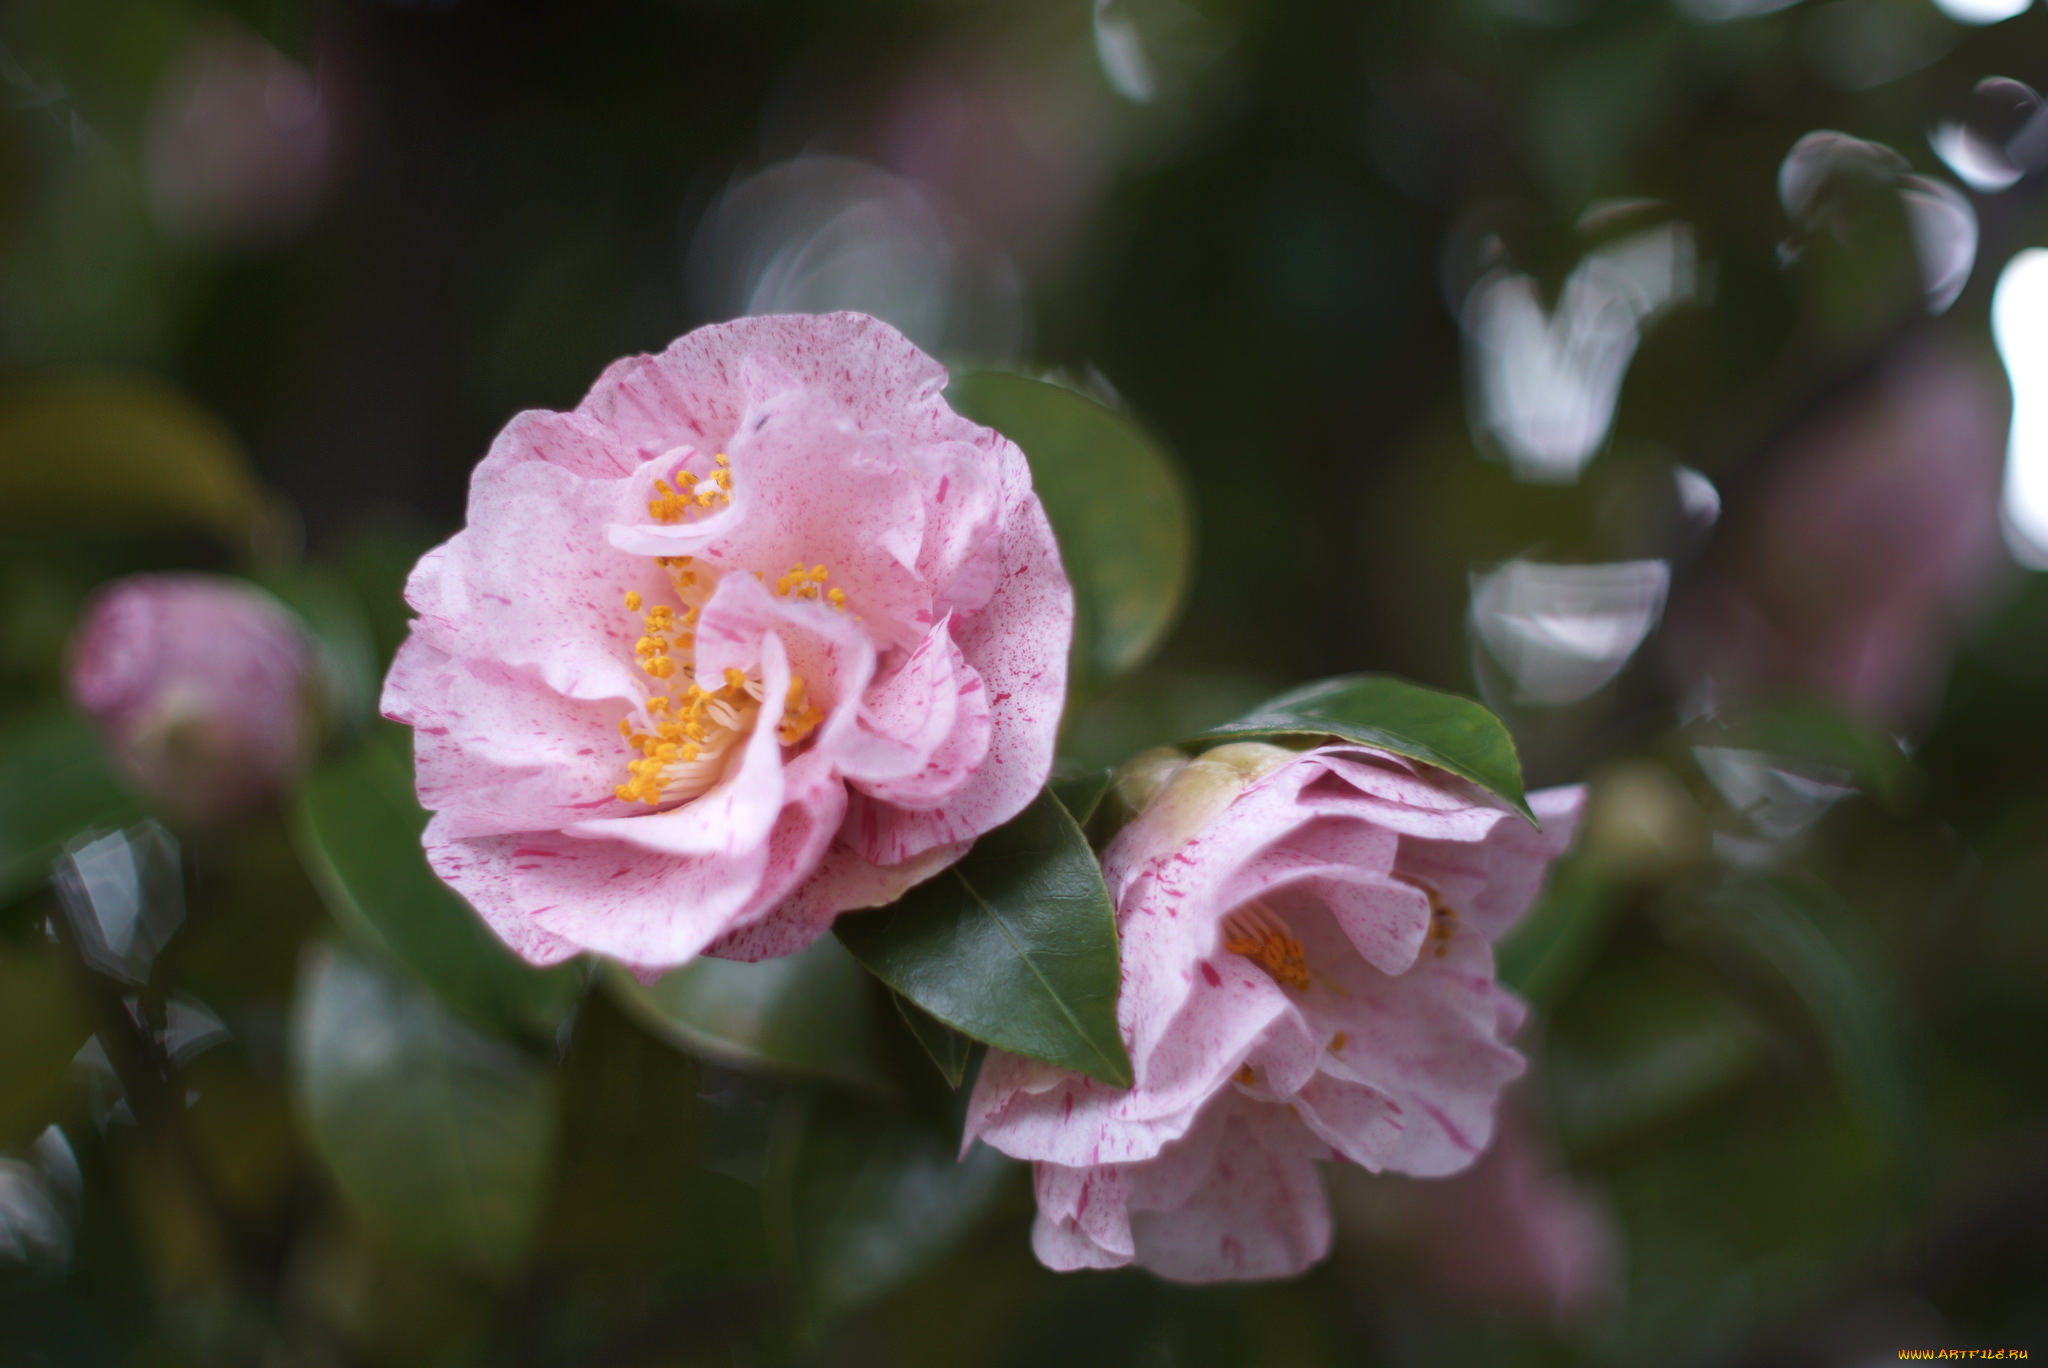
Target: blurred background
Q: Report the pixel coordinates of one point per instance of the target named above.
(1670, 374)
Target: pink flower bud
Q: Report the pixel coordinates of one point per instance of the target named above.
(238, 144)
(203, 688)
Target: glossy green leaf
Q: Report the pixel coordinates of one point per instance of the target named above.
(1116, 505)
(441, 1137)
(949, 1051)
(1015, 945)
(125, 454)
(1394, 715)
(359, 833)
(55, 781)
(1081, 791)
(808, 1014)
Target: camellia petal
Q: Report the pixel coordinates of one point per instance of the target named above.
(1308, 975)
(760, 633)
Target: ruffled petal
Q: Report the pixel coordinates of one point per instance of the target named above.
(498, 751)
(1493, 881)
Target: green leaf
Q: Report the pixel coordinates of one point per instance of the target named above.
(1548, 950)
(1799, 729)
(1081, 791)
(909, 1201)
(441, 1137)
(1799, 937)
(350, 669)
(43, 1021)
(807, 1014)
(55, 781)
(1643, 1048)
(947, 1048)
(1015, 945)
(1391, 714)
(125, 454)
(359, 834)
(1116, 505)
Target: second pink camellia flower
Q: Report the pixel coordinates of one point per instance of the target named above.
(1307, 975)
(761, 632)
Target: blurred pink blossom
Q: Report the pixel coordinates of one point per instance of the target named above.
(760, 632)
(1021, 147)
(1866, 552)
(1307, 974)
(1512, 1232)
(239, 141)
(203, 687)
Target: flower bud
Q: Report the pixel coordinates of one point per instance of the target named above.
(1175, 797)
(203, 688)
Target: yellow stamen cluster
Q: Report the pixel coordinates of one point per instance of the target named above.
(688, 728)
(677, 739)
(798, 582)
(1246, 1075)
(673, 503)
(662, 632)
(800, 716)
(1261, 937)
(1443, 925)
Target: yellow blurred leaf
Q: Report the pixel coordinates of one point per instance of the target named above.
(124, 454)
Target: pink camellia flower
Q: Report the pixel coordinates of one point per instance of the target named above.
(1307, 975)
(203, 688)
(760, 632)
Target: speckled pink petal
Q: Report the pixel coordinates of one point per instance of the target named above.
(904, 717)
(606, 896)
(532, 582)
(1341, 866)
(1493, 882)
(735, 817)
(1016, 645)
(490, 887)
(1259, 1211)
(1402, 797)
(1415, 1085)
(843, 881)
(692, 391)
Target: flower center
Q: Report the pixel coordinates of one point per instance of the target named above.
(1256, 933)
(682, 734)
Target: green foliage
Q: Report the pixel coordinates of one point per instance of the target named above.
(1818, 734)
(440, 1137)
(1550, 948)
(102, 454)
(1015, 945)
(359, 831)
(55, 781)
(43, 1021)
(904, 1203)
(1391, 714)
(950, 1052)
(1116, 505)
(810, 1014)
